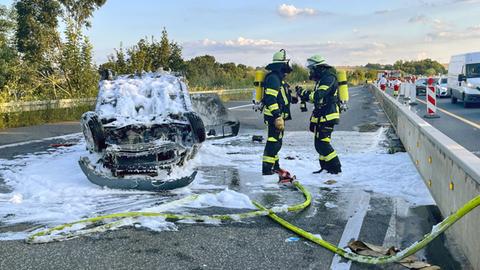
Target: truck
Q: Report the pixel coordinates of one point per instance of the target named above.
(464, 78)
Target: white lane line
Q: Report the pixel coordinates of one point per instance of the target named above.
(40, 140)
(468, 122)
(391, 234)
(238, 107)
(352, 229)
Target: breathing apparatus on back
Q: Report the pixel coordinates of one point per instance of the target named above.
(279, 58)
(258, 92)
(317, 66)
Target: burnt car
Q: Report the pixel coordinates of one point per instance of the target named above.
(142, 133)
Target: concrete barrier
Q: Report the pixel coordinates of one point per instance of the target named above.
(451, 172)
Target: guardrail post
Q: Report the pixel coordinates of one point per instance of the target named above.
(402, 89)
(412, 94)
(431, 100)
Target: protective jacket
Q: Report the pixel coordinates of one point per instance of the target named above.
(324, 96)
(277, 97)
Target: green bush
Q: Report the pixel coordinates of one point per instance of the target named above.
(21, 119)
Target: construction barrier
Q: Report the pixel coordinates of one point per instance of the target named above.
(431, 100)
(412, 93)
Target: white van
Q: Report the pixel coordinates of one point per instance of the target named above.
(464, 78)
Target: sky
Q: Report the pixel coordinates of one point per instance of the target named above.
(345, 32)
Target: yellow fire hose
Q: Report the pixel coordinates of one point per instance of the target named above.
(55, 234)
(51, 235)
(436, 231)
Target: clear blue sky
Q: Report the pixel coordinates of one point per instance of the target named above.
(347, 32)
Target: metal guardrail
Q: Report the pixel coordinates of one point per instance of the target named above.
(221, 91)
(28, 106)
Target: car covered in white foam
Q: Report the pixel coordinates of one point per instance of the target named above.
(143, 127)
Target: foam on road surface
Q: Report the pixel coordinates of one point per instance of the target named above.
(379, 198)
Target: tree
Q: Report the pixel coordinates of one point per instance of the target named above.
(36, 33)
(80, 11)
(164, 50)
(421, 67)
(8, 54)
(175, 61)
(298, 74)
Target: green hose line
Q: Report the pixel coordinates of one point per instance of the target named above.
(436, 231)
(198, 218)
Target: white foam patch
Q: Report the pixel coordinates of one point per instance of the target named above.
(226, 198)
(137, 99)
(49, 188)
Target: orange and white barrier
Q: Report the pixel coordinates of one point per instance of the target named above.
(431, 100)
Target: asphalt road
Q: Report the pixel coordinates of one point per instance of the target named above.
(460, 124)
(259, 244)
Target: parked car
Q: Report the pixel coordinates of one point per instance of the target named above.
(441, 87)
(464, 78)
(142, 132)
(421, 86)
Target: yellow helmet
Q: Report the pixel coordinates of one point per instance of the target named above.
(315, 61)
(280, 57)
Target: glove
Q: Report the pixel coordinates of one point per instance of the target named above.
(298, 90)
(303, 106)
(343, 107)
(280, 123)
(294, 99)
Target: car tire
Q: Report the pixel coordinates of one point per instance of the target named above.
(93, 131)
(198, 127)
(453, 99)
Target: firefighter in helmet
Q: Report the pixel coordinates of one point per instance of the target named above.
(326, 113)
(276, 100)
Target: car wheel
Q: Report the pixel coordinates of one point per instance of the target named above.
(197, 125)
(453, 99)
(466, 104)
(93, 131)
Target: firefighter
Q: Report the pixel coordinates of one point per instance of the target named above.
(383, 83)
(276, 100)
(326, 113)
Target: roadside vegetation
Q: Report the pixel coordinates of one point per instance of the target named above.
(44, 54)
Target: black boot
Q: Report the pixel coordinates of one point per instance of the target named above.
(322, 167)
(334, 166)
(276, 166)
(267, 169)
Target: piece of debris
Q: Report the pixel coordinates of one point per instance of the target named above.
(292, 239)
(330, 182)
(62, 144)
(367, 249)
(290, 158)
(257, 138)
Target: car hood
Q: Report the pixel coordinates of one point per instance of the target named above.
(474, 81)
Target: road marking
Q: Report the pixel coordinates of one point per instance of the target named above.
(468, 122)
(40, 140)
(238, 107)
(352, 229)
(390, 239)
